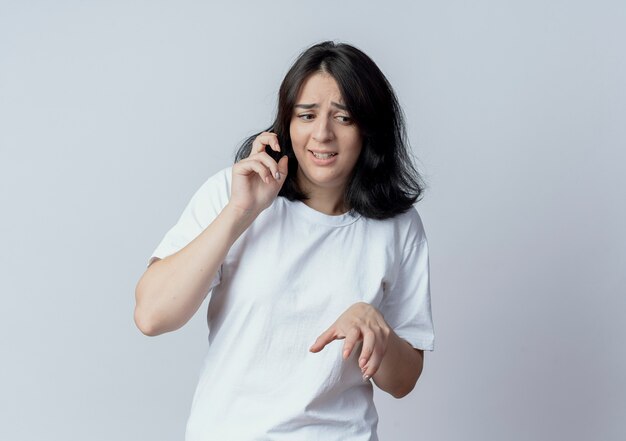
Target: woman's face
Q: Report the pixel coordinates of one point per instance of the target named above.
(325, 140)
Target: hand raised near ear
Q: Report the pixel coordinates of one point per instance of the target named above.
(258, 178)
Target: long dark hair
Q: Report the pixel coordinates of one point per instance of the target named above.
(384, 182)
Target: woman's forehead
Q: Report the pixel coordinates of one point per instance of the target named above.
(320, 87)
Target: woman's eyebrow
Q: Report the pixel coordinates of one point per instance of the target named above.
(311, 106)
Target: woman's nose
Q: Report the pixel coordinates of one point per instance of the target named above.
(322, 131)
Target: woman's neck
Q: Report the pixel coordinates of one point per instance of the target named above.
(325, 200)
(326, 206)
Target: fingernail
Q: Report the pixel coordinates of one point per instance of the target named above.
(277, 175)
(366, 377)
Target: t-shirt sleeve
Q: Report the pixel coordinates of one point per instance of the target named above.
(406, 305)
(204, 206)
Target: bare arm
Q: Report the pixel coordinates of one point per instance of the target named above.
(172, 289)
(401, 367)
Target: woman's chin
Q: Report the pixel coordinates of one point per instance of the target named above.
(321, 179)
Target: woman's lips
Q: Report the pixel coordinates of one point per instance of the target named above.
(323, 160)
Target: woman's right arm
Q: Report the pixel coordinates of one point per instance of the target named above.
(172, 289)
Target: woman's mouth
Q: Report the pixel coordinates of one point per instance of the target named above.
(320, 155)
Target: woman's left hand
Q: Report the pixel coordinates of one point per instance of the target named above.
(360, 321)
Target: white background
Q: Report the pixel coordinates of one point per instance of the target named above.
(112, 114)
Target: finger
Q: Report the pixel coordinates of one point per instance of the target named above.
(273, 141)
(265, 138)
(249, 166)
(268, 162)
(369, 340)
(326, 337)
(374, 363)
(352, 338)
(283, 166)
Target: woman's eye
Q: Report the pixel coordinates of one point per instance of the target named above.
(345, 119)
(306, 116)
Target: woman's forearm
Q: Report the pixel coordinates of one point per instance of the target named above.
(400, 368)
(172, 289)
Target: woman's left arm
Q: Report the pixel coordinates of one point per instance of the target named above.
(391, 361)
(401, 367)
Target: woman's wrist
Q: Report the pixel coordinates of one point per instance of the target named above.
(241, 218)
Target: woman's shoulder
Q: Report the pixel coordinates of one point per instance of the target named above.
(407, 227)
(412, 217)
(218, 182)
(222, 176)
(214, 193)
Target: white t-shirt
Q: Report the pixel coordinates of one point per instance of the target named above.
(287, 278)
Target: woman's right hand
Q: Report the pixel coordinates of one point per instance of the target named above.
(172, 290)
(257, 179)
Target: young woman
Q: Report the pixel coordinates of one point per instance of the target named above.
(296, 254)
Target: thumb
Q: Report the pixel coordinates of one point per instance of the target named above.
(283, 166)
